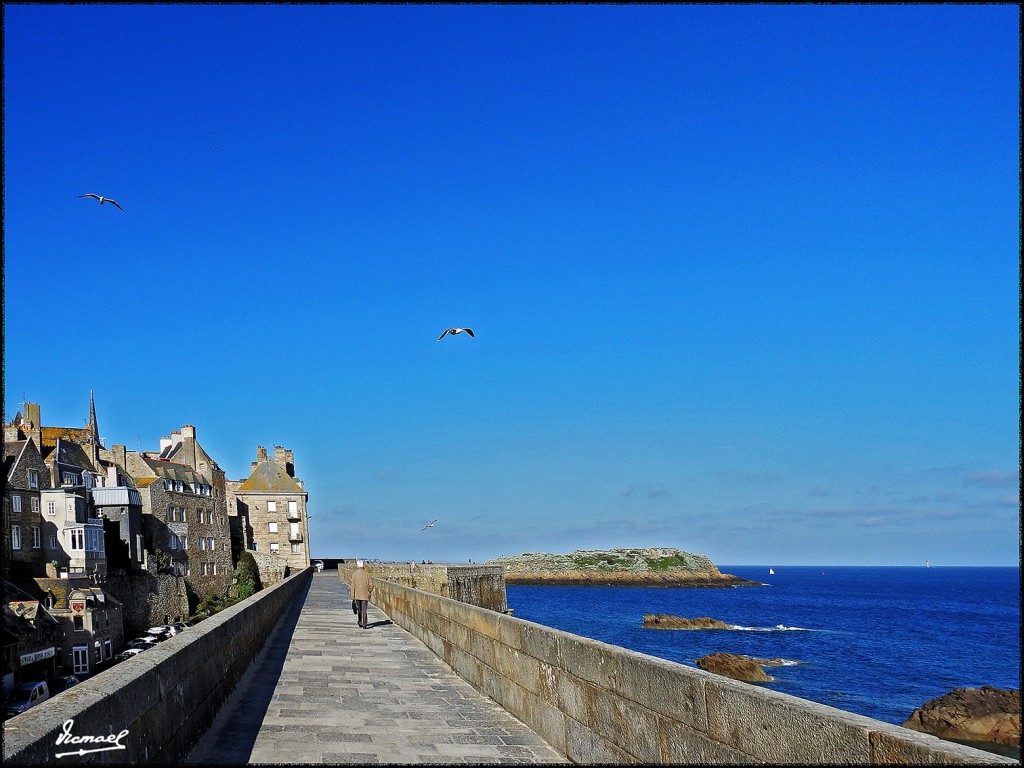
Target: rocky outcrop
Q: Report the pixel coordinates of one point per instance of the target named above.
(983, 714)
(744, 668)
(656, 567)
(668, 621)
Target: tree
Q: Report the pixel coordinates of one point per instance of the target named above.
(247, 575)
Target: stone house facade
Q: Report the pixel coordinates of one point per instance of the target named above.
(91, 620)
(26, 475)
(184, 509)
(270, 505)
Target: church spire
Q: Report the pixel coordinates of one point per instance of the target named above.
(92, 420)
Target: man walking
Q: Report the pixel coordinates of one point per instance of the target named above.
(362, 590)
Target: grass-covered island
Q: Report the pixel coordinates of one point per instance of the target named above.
(658, 567)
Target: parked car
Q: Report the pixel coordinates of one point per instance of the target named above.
(24, 696)
(162, 631)
(180, 626)
(129, 653)
(319, 565)
(61, 684)
(142, 643)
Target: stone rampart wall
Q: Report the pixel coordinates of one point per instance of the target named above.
(164, 699)
(149, 599)
(480, 585)
(598, 703)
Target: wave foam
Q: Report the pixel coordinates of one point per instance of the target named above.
(776, 628)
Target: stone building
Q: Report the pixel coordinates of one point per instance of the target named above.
(31, 639)
(91, 620)
(270, 507)
(184, 509)
(25, 476)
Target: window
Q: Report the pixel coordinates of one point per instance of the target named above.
(16, 502)
(77, 538)
(51, 508)
(213, 568)
(202, 543)
(293, 508)
(210, 545)
(108, 649)
(99, 651)
(273, 527)
(93, 540)
(209, 517)
(202, 568)
(271, 506)
(178, 486)
(53, 541)
(273, 547)
(15, 537)
(296, 549)
(79, 623)
(81, 659)
(168, 485)
(37, 537)
(33, 479)
(35, 503)
(170, 513)
(69, 478)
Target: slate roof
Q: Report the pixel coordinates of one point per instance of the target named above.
(12, 453)
(270, 476)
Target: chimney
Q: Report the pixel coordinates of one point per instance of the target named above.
(261, 455)
(165, 443)
(285, 459)
(175, 438)
(188, 432)
(31, 417)
(112, 476)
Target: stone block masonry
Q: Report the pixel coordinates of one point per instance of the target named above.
(163, 700)
(598, 703)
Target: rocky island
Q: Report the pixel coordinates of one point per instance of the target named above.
(656, 567)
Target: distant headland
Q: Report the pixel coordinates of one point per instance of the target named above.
(655, 567)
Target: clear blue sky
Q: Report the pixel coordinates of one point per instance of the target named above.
(744, 279)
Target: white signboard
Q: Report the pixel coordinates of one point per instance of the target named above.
(32, 658)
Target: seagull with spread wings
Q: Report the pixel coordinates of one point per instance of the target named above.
(429, 525)
(454, 331)
(101, 199)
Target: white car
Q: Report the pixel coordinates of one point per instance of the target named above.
(319, 565)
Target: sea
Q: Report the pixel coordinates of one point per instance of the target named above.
(876, 641)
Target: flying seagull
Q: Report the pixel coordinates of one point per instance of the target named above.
(456, 330)
(101, 199)
(429, 525)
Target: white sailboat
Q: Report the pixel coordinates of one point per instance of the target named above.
(771, 572)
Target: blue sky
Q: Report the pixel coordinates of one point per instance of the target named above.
(744, 279)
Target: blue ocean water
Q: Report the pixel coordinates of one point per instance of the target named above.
(877, 641)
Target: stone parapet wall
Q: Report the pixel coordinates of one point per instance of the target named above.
(480, 585)
(165, 698)
(598, 703)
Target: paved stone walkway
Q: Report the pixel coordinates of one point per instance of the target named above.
(325, 691)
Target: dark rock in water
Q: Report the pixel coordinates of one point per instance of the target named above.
(983, 714)
(737, 667)
(668, 621)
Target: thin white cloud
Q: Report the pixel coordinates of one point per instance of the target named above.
(993, 479)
